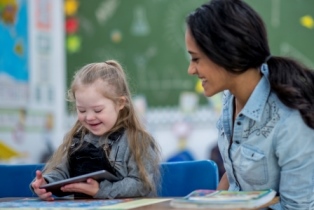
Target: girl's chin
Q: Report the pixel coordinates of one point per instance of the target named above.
(97, 133)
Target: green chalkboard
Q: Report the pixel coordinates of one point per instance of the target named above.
(147, 38)
(290, 25)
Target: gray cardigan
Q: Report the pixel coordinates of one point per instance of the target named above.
(130, 184)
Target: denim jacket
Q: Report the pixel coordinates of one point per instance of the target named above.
(124, 165)
(271, 147)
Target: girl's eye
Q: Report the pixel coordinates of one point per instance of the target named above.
(194, 59)
(98, 111)
(80, 111)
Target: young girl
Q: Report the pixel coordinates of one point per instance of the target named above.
(107, 135)
(266, 130)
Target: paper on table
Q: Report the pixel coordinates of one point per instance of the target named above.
(135, 203)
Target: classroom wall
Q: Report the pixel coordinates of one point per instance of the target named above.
(47, 41)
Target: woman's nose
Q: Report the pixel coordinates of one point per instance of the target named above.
(191, 69)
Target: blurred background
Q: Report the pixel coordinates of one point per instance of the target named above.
(43, 42)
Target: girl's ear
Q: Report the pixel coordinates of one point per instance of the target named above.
(121, 102)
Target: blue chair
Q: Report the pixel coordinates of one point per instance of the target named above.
(15, 179)
(180, 178)
(183, 155)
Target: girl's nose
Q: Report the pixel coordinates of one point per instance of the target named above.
(90, 116)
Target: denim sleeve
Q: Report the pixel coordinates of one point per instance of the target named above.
(294, 147)
(131, 185)
(60, 172)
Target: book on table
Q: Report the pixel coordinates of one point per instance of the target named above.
(222, 199)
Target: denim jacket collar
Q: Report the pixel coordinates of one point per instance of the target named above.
(257, 101)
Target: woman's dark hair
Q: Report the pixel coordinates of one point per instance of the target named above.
(233, 36)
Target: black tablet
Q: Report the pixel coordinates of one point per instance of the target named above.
(97, 175)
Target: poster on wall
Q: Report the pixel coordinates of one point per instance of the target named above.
(14, 72)
(25, 135)
(28, 95)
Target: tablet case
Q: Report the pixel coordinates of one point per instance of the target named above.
(54, 187)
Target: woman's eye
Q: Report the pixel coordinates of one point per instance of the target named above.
(194, 59)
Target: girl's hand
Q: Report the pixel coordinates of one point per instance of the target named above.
(90, 187)
(42, 194)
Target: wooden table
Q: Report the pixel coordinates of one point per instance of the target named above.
(164, 205)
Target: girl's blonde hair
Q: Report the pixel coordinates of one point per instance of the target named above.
(115, 86)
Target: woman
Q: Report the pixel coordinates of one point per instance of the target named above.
(266, 130)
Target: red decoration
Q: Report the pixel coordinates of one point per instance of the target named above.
(71, 25)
